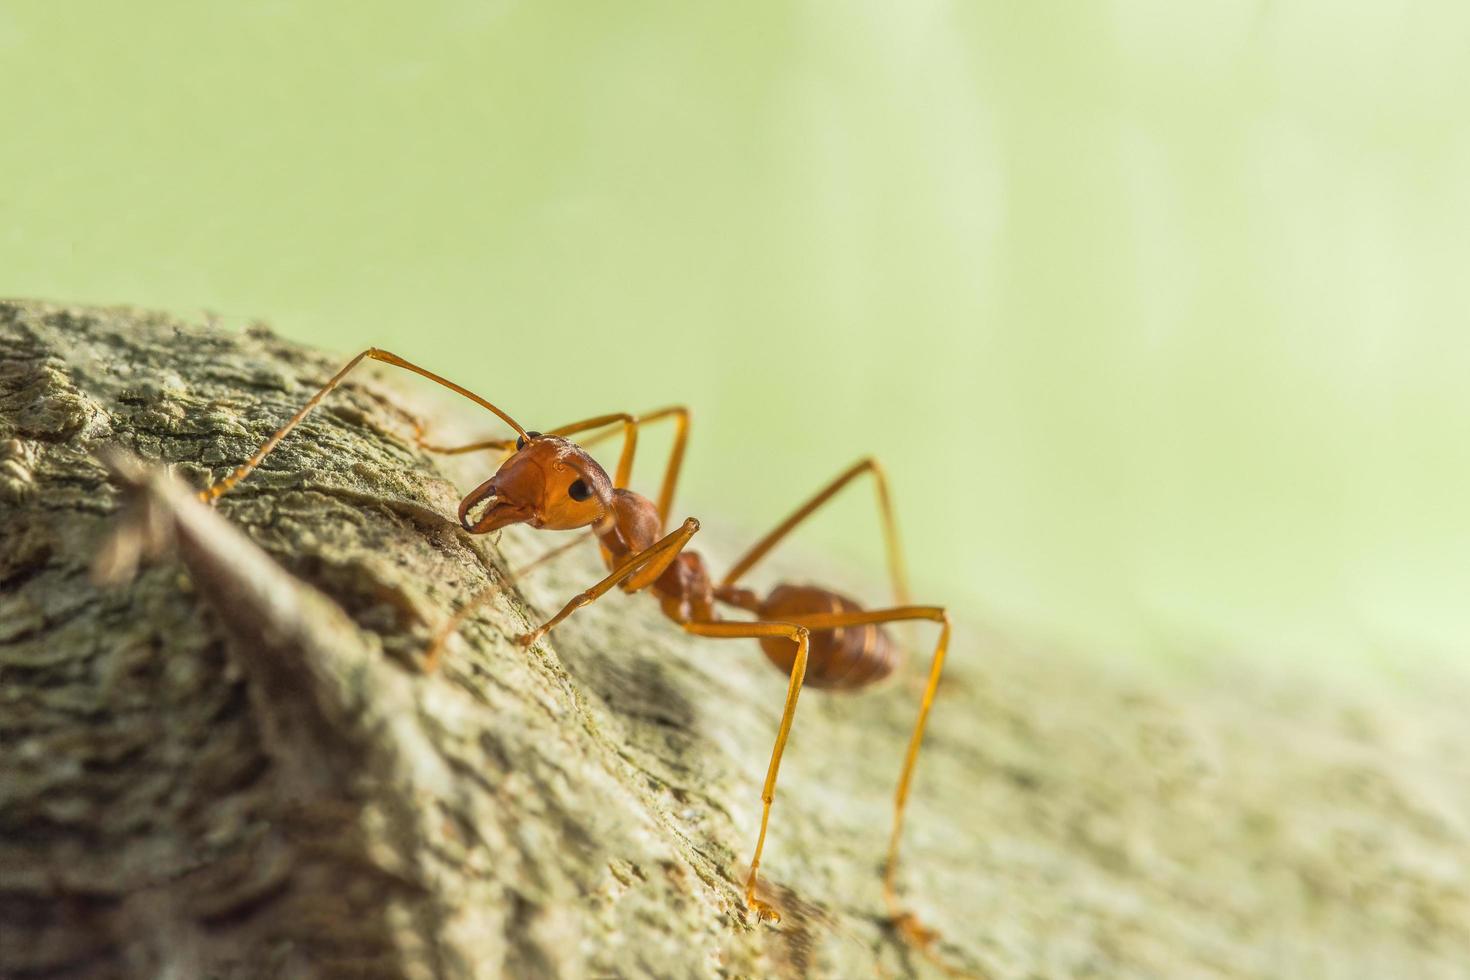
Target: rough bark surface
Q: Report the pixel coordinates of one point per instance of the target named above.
(232, 767)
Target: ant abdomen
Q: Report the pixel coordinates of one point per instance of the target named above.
(846, 657)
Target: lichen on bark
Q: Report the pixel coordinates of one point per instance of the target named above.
(233, 766)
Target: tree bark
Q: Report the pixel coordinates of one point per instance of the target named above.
(234, 767)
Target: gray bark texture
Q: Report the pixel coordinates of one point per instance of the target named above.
(232, 766)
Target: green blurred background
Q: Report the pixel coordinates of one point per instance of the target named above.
(1156, 311)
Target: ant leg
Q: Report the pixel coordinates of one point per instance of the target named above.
(624, 471)
(906, 922)
(639, 571)
(651, 561)
(630, 424)
(436, 646)
(218, 489)
(418, 440)
(625, 463)
(431, 656)
(799, 634)
(885, 509)
(551, 555)
(680, 415)
(625, 466)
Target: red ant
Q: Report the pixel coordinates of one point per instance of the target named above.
(820, 638)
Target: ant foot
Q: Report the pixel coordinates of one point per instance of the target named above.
(420, 434)
(915, 931)
(922, 938)
(764, 912)
(526, 639)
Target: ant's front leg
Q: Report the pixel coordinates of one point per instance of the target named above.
(652, 561)
(501, 445)
(640, 571)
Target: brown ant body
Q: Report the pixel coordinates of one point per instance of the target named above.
(818, 637)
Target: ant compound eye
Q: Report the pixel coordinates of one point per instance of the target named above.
(579, 490)
(521, 440)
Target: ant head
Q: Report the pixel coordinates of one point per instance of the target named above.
(547, 482)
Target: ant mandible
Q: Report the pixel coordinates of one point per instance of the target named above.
(820, 638)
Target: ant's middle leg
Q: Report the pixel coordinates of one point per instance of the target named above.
(639, 571)
(642, 568)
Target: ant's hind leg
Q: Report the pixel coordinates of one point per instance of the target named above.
(907, 924)
(756, 630)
